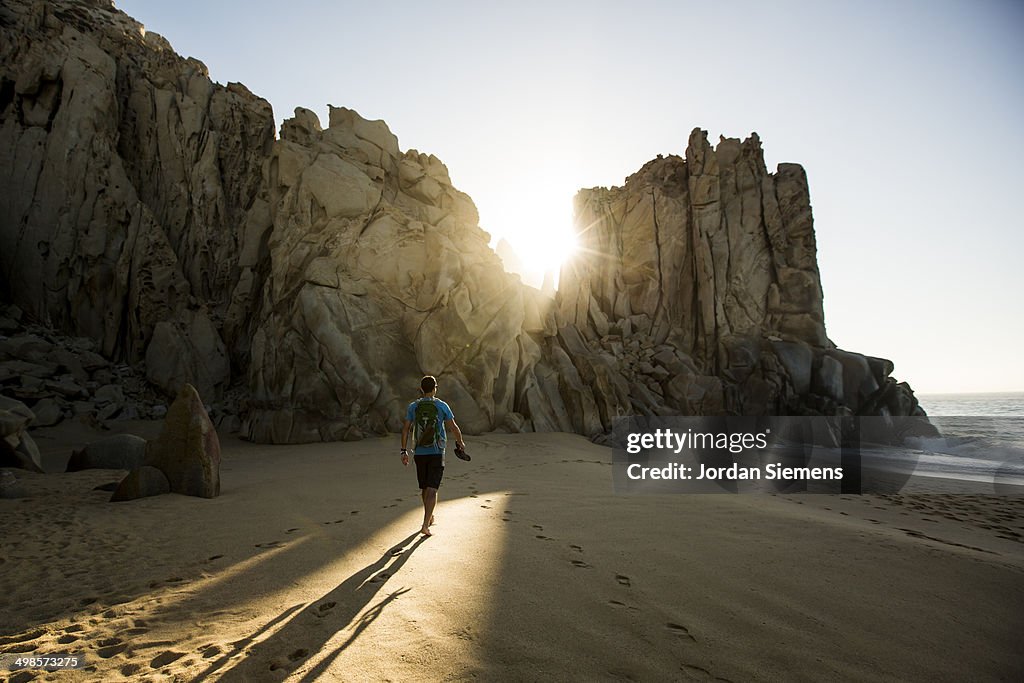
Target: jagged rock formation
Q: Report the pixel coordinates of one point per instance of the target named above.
(707, 295)
(152, 210)
(125, 172)
(378, 272)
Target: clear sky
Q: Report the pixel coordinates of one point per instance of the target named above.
(908, 116)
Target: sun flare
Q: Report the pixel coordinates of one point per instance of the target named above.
(533, 239)
(537, 256)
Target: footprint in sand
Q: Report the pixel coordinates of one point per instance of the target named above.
(110, 647)
(623, 580)
(486, 507)
(577, 548)
(210, 651)
(538, 527)
(165, 658)
(298, 654)
(214, 557)
(70, 638)
(395, 552)
(581, 564)
(680, 631)
(270, 544)
(544, 538)
(292, 530)
(621, 605)
(354, 512)
(324, 608)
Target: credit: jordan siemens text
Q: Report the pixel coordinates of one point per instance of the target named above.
(734, 472)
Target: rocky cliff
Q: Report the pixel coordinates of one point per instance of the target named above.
(154, 211)
(126, 174)
(699, 280)
(377, 273)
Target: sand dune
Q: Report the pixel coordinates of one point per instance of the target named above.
(308, 567)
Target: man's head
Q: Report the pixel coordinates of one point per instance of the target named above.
(428, 385)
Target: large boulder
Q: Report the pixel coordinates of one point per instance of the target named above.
(191, 352)
(10, 488)
(17, 448)
(48, 413)
(142, 482)
(119, 452)
(187, 450)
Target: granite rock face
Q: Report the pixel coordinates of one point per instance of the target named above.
(125, 175)
(378, 273)
(699, 280)
(322, 273)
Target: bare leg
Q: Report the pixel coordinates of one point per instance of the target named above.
(429, 501)
(437, 499)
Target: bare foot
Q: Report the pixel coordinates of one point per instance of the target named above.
(426, 532)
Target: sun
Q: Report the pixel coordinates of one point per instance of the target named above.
(554, 247)
(534, 235)
(537, 255)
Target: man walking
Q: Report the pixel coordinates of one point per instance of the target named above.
(427, 418)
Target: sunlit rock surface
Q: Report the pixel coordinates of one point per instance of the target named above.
(377, 272)
(322, 272)
(700, 282)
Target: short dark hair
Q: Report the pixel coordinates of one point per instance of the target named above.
(428, 384)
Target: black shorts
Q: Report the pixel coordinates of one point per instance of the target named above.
(429, 470)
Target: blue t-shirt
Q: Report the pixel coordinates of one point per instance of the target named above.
(443, 413)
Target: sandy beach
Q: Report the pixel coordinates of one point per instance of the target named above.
(308, 568)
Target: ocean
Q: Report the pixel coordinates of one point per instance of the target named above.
(982, 405)
(982, 440)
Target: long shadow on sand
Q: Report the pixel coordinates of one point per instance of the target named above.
(306, 630)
